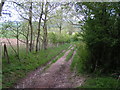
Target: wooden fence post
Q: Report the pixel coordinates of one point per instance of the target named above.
(6, 53)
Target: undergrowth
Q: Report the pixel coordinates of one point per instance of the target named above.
(102, 82)
(95, 80)
(80, 58)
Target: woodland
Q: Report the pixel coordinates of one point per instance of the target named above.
(59, 44)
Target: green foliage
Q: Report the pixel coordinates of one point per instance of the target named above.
(9, 29)
(59, 38)
(80, 59)
(76, 37)
(15, 70)
(53, 38)
(101, 34)
(102, 82)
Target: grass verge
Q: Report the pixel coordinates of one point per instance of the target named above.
(80, 58)
(15, 70)
(69, 55)
(102, 82)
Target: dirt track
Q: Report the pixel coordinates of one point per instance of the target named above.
(58, 75)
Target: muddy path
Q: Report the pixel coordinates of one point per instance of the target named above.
(58, 75)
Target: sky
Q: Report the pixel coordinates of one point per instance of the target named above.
(9, 13)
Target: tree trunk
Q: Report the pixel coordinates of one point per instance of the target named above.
(45, 28)
(30, 23)
(39, 45)
(33, 44)
(0, 53)
(60, 29)
(11, 45)
(45, 36)
(38, 34)
(27, 45)
(17, 46)
(17, 43)
(27, 40)
(1, 5)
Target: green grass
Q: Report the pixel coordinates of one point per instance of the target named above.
(102, 82)
(15, 70)
(69, 55)
(80, 58)
(74, 62)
